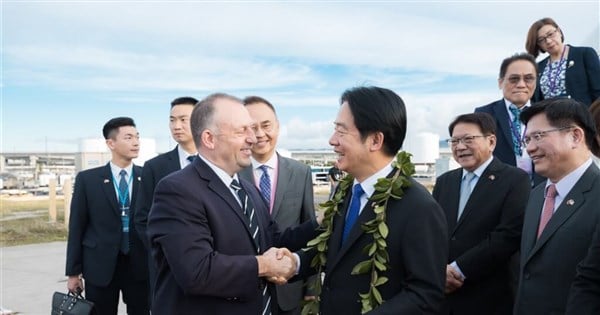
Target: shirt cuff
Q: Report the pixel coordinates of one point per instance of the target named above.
(455, 266)
(297, 263)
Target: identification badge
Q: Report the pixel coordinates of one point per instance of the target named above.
(524, 163)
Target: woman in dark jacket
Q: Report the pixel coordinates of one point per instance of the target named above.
(568, 71)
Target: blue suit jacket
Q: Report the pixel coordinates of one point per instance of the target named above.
(582, 78)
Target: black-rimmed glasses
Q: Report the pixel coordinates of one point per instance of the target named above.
(466, 140)
(540, 135)
(542, 39)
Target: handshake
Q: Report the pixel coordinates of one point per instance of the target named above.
(277, 265)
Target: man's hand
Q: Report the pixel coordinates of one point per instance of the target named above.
(277, 265)
(453, 279)
(75, 284)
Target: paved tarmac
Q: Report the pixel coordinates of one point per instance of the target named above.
(30, 274)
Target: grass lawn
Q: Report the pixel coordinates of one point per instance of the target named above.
(25, 220)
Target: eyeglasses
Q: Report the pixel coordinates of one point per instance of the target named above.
(542, 39)
(466, 140)
(515, 79)
(540, 135)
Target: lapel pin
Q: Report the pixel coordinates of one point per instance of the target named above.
(106, 181)
(492, 177)
(571, 63)
(570, 202)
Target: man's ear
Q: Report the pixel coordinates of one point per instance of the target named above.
(375, 141)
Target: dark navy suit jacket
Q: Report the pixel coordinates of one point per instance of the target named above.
(203, 247)
(95, 228)
(582, 78)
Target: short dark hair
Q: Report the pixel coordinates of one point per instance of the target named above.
(111, 128)
(531, 44)
(249, 100)
(185, 100)
(378, 109)
(595, 112)
(485, 121)
(518, 56)
(564, 112)
(203, 114)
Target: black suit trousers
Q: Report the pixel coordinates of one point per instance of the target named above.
(135, 294)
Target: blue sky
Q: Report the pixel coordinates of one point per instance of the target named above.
(69, 66)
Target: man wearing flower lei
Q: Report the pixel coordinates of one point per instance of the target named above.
(383, 247)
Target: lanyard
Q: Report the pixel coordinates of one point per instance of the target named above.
(552, 78)
(123, 197)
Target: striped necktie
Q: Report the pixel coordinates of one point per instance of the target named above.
(253, 226)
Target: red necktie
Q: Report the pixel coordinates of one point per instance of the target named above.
(548, 209)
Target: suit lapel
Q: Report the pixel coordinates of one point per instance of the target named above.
(284, 175)
(333, 253)
(570, 204)
(453, 183)
(502, 116)
(485, 185)
(135, 182)
(218, 187)
(108, 187)
(173, 163)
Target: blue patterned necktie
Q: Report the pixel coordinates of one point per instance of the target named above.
(516, 129)
(353, 210)
(124, 203)
(265, 185)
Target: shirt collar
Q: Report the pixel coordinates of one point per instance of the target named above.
(116, 170)
(564, 186)
(479, 171)
(368, 185)
(271, 162)
(183, 155)
(507, 103)
(225, 178)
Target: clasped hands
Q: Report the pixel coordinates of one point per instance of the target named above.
(277, 265)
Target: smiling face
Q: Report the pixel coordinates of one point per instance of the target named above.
(266, 130)
(471, 156)
(233, 138)
(552, 154)
(353, 152)
(518, 84)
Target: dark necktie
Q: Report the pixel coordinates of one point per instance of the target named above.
(248, 208)
(353, 210)
(253, 226)
(548, 209)
(191, 158)
(124, 203)
(516, 129)
(265, 185)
